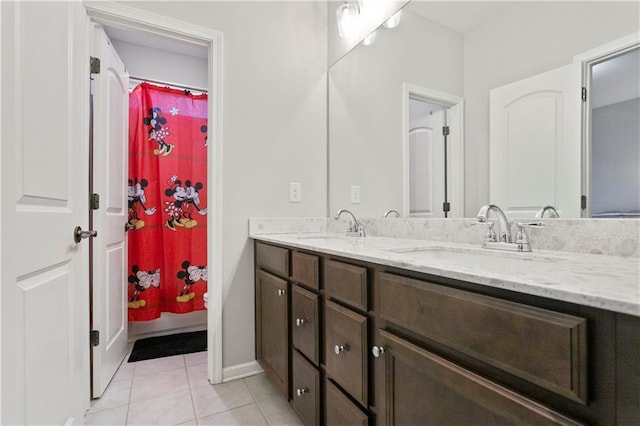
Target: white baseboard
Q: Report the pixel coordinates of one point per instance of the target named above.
(239, 371)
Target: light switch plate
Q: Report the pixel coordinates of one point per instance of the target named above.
(295, 192)
(355, 194)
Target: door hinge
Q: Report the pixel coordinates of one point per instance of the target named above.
(94, 338)
(94, 201)
(445, 130)
(446, 207)
(94, 65)
(584, 94)
(583, 202)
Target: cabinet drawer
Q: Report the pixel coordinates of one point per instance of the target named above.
(347, 283)
(273, 259)
(345, 353)
(305, 327)
(540, 346)
(306, 390)
(304, 269)
(420, 385)
(340, 410)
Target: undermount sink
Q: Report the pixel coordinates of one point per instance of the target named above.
(470, 255)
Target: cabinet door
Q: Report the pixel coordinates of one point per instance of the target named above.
(415, 386)
(272, 319)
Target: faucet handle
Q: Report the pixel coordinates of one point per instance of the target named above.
(530, 225)
(491, 232)
(521, 236)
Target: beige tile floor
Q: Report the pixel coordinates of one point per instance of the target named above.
(175, 391)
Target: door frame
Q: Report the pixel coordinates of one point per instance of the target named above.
(114, 14)
(586, 60)
(455, 147)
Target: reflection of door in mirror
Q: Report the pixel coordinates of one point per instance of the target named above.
(615, 136)
(535, 144)
(426, 159)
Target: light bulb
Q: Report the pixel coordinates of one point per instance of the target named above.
(393, 21)
(346, 15)
(368, 41)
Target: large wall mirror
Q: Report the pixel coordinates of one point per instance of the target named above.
(409, 111)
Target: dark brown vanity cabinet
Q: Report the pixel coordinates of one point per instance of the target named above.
(370, 344)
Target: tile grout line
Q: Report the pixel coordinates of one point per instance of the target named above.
(264, 416)
(193, 404)
(133, 375)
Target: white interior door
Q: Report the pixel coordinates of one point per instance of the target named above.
(44, 287)
(535, 148)
(426, 159)
(110, 135)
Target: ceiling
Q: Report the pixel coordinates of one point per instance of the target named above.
(461, 16)
(616, 80)
(156, 41)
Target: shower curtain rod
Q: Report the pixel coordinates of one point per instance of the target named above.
(168, 83)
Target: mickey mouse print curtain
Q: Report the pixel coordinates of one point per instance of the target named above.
(167, 193)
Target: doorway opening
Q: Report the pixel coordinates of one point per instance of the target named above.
(131, 30)
(611, 130)
(433, 153)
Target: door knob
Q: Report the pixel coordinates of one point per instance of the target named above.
(301, 391)
(300, 321)
(377, 351)
(281, 292)
(128, 227)
(79, 234)
(338, 349)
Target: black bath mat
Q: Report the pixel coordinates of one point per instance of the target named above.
(174, 344)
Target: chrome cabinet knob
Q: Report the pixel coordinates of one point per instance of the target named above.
(281, 292)
(300, 322)
(338, 349)
(79, 234)
(376, 351)
(301, 391)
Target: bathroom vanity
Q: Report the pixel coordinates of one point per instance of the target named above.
(358, 331)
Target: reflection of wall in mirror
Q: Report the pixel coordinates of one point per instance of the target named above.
(365, 109)
(526, 39)
(615, 188)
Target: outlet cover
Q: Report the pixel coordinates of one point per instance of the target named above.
(295, 192)
(355, 194)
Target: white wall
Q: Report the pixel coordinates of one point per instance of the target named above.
(615, 155)
(163, 65)
(526, 39)
(365, 109)
(274, 131)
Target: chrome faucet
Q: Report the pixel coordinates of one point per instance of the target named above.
(503, 222)
(388, 212)
(504, 242)
(355, 227)
(553, 213)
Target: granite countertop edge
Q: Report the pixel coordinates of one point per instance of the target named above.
(606, 282)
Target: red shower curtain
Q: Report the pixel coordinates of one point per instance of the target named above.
(167, 201)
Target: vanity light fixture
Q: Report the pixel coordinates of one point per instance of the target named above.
(347, 16)
(394, 21)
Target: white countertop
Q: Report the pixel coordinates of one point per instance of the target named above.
(606, 282)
